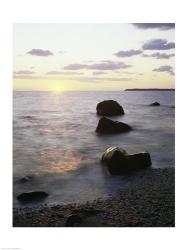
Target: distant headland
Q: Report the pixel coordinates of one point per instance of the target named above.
(152, 89)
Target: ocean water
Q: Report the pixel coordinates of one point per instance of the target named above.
(55, 144)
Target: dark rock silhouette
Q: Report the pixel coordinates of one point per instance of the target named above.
(32, 196)
(109, 108)
(107, 126)
(81, 217)
(73, 220)
(119, 162)
(155, 104)
(27, 117)
(25, 179)
(151, 89)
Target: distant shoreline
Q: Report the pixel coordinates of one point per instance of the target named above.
(119, 90)
(149, 89)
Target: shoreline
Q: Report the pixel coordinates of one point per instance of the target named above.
(149, 201)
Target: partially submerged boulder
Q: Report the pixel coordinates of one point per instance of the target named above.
(109, 108)
(107, 126)
(119, 162)
(32, 196)
(26, 179)
(155, 104)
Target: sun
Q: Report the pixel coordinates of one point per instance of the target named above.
(57, 89)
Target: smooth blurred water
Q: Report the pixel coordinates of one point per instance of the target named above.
(54, 140)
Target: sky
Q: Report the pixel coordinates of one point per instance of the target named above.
(63, 57)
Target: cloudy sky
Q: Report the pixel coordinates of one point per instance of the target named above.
(60, 57)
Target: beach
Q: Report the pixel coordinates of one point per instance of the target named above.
(149, 201)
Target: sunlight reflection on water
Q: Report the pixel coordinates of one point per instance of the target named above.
(54, 139)
(59, 162)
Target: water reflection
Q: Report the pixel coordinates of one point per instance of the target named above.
(55, 139)
(59, 162)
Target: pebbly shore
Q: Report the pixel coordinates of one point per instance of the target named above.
(149, 201)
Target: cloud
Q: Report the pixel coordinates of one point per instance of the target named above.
(99, 73)
(165, 68)
(40, 52)
(159, 55)
(53, 72)
(104, 65)
(24, 72)
(103, 79)
(129, 73)
(28, 77)
(158, 44)
(160, 26)
(76, 78)
(128, 53)
(76, 66)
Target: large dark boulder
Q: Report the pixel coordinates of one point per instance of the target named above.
(107, 126)
(155, 104)
(32, 196)
(119, 162)
(109, 108)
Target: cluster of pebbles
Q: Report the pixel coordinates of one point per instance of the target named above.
(149, 201)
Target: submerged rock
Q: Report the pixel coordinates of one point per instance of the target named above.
(32, 196)
(155, 104)
(107, 126)
(119, 162)
(25, 179)
(109, 108)
(26, 117)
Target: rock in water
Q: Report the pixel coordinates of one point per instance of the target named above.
(155, 104)
(107, 126)
(32, 196)
(26, 179)
(119, 162)
(109, 108)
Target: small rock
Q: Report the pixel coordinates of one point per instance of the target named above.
(32, 196)
(73, 220)
(25, 179)
(155, 104)
(26, 117)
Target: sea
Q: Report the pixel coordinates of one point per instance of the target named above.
(56, 148)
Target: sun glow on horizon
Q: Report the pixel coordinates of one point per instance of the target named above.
(57, 90)
(93, 62)
(57, 87)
